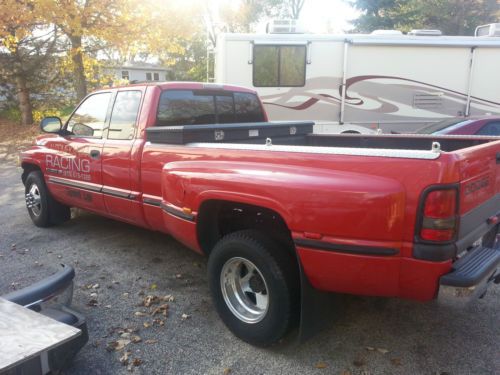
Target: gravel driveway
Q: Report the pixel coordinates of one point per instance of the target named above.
(118, 266)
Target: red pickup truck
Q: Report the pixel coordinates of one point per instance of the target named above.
(283, 214)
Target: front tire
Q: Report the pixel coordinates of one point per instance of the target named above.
(254, 285)
(42, 208)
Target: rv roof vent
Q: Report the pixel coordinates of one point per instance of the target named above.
(386, 32)
(284, 27)
(493, 29)
(423, 32)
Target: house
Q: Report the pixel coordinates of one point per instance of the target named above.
(139, 72)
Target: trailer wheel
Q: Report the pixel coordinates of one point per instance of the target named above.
(254, 286)
(42, 208)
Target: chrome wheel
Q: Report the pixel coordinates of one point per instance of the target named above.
(244, 290)
(34, 200)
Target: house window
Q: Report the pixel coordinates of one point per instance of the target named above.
(148, 76)
(125, 75)
(156, 76)
(279, 66)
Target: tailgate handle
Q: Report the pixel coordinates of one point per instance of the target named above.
(498, 157)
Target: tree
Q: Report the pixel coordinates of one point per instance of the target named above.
(85, 23)
(453, 17)
(26, 47)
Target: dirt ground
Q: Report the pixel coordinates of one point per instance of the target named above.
(118, 266)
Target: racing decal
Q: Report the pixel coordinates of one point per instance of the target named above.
(474, 186)
(69, 166)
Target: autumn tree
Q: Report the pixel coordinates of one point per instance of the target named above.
(26, 47)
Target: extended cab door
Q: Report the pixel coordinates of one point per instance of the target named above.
(121, 157)
(74, 169)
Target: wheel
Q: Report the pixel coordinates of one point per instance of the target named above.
(254, 284)
(42, 208)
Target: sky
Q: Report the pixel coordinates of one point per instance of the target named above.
(333, 16)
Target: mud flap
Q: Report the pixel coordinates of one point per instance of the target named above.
(317, 309)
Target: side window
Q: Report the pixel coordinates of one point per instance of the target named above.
(124, 115)
(247, 108)
(90, 117)
(148, 76)
(491, 128)
(279, 66)
(183, 107)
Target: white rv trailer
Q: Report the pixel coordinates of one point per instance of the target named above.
(354, 83)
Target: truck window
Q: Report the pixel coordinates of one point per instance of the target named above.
(124, 115)
(491, 128)
(197, 107)
(90, 117)
(279, 66)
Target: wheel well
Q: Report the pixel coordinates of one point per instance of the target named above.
(27, 169)
(219, 218)
(350, 132)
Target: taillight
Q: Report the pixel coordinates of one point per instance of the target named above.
(439, 215)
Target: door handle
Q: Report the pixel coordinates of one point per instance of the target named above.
(94, 154)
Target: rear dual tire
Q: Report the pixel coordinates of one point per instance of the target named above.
(254, 285)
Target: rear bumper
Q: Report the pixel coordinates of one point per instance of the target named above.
(470, 276)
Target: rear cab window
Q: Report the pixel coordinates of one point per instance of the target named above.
(198, 107)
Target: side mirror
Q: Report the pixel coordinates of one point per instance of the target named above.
(51, 125)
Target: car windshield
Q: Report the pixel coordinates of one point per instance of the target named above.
(443, 126)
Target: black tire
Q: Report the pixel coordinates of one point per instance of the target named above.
(48, 211)
(281, 280)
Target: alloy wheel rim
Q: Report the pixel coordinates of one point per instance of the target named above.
(34, 201)
(244, 290)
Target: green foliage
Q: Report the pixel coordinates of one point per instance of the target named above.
(453, 17)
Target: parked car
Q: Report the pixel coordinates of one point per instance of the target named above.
(281, 213)
(485, 125)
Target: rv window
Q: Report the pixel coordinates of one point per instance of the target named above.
(188, 107)
(275, 66)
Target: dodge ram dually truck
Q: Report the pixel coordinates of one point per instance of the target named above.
(283, 214)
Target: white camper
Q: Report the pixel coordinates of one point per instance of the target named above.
(354, 83)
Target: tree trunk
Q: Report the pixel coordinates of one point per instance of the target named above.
(23, 95)
(78, 70)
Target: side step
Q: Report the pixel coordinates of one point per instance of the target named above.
(473, 268)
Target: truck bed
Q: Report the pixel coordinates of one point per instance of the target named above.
(301, 134)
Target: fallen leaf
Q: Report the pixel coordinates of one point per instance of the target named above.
(117, 345)
(382, 350)
(151, 341)
(370, 348)
(59, 256)
(95, 286)
(124, 358)
(146, 324)
(125, 335)
(93, 294)
(396, 361)
(135, 339)
(321, 365)
(92, 303)
(168, 298)
(162, 309)
(125, 295)
(150, 300)
(226, 371)
(107, 306)
(159, 322)
(137, 362)
(345, 372)
(185, 316)
(140, 313)
(178, 276)
(153, 286)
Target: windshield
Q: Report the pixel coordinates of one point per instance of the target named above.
(443, 126)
